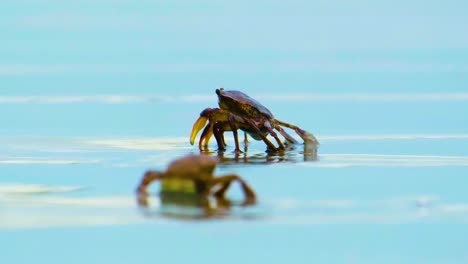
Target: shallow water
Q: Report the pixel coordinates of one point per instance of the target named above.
(385, 191)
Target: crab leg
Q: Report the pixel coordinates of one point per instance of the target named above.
(218, 132)
(246, 142)
(267, 125)
(286, 136)
(306, 136)
(234, 132)
(149, 177)
(280, 144)
(207, 132)
(226, 180)
(259, 133)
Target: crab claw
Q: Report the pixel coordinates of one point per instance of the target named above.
(197, 126)
(205, 136)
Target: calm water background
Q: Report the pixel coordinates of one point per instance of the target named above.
(93, 93)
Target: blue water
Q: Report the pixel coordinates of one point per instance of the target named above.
(388, 185)
(94, 93)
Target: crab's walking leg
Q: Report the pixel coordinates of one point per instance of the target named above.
(218, 133)
(234, 128)
(267, 125)
(246, 142)
(288, 137)
(273, 134)
(226, 180)
(306, 136)
(259, 133)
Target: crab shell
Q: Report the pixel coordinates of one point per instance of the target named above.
(193, 167)
(241, 104)
(181, 173)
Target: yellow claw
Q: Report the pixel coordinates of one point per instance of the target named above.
(205, 139)
(197, 126)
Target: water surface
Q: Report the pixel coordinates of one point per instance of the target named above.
(387, 190)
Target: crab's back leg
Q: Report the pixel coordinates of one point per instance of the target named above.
(306, 136)
(267, 125)
(226, 180)
(286, 136)
(259, 133)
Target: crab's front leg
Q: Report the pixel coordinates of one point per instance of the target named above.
(142, 193)
(148, 178)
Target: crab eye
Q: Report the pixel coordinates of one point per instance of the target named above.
(218, 91)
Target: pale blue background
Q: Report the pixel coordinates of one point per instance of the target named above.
(109, 46)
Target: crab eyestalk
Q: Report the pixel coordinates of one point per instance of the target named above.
(197, 126)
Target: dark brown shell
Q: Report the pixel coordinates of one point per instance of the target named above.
(241, 104)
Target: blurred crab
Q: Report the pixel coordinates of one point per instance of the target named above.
(191, 179)
(239, 111)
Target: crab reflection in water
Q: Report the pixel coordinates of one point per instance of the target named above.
(309, 153)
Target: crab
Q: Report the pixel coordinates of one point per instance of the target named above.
(221, 120)
(239, 111)
(192, 176)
